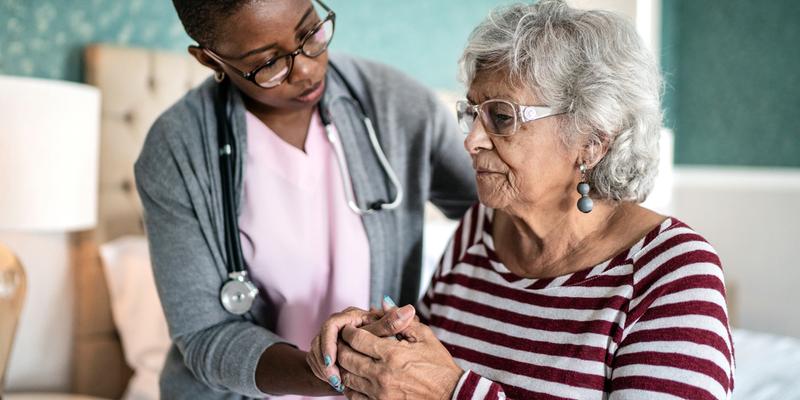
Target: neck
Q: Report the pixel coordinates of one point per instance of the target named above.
(276, 118)
(291, 125)
(550, 241)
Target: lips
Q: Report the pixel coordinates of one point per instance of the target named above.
(487, 173)
(485, 170)
(312, 94)
(484, 165)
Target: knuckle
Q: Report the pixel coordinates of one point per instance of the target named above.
(356, 341)
(389, 324)
(383, 379)
(349, 380)
(335, 316)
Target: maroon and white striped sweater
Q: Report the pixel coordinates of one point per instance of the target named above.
(650, 323)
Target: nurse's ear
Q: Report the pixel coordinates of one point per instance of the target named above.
(203, 58)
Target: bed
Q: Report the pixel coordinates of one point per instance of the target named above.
(136, 86)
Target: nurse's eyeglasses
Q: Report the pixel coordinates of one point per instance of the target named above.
(276, 69)
(499, 117)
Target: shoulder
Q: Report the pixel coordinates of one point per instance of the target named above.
(381, 83)
(364, 72)
(675, 260)
(674, 248)
(177, 127)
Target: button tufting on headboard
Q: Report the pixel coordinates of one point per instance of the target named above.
(137, 85)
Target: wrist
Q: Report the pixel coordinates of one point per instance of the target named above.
(282, 369)
(455, 376)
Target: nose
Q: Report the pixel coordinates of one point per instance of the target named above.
(477, 139)
(303, 68)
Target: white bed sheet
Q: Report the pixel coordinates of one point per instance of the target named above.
(767, 366)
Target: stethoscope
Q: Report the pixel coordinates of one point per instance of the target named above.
(238, 293)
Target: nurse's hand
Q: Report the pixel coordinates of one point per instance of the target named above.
(417, 367)
(321, 357)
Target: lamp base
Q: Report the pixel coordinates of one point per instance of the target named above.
(12, 294)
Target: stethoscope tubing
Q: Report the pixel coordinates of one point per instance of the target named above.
(341, 159)
(238, 292)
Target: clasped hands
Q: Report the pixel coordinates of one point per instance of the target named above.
(382, 354)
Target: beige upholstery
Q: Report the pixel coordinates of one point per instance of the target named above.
(136, 86)
(48, 396)
(12, 295)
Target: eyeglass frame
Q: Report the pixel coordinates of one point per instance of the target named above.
(523, 113)
(251, 76)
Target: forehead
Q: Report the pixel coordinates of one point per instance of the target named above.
(497, 84)
(262, 22)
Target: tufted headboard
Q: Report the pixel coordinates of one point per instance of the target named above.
(136, 86)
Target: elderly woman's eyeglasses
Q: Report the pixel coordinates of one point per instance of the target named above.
(275, 70)
(499, 117)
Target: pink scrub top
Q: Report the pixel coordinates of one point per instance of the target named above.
(306, 250)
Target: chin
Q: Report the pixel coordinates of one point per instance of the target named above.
(492, 198)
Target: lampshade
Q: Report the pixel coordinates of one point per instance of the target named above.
(49, 133)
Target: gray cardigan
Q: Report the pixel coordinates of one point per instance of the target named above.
(214, 354)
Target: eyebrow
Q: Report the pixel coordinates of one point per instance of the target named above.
(305, 16)
(255, 51)
(270, 46)
(481, 97)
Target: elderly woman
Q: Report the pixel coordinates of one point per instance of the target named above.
(546, 291)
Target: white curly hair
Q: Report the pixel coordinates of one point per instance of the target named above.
(590, 64)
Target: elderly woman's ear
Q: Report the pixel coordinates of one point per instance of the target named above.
(593, 148)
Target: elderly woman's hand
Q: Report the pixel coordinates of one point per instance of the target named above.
(321, 357)
(418, 367)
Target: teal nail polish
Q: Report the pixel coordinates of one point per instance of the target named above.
(335, 381)
(388, 300)
(327, 361)
(340, 388)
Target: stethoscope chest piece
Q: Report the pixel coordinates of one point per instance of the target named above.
(238, 293)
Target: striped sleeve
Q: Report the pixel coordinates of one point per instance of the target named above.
(472, 386)
(676, 342)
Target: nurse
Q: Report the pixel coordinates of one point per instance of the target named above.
(331, 158)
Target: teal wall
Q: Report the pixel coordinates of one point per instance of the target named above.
(733, 75)
(732, 66)
(422, 37)
(44, 38)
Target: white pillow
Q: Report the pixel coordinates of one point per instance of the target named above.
(137, 313)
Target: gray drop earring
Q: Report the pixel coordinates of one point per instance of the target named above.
(219, 76)
(585, 203)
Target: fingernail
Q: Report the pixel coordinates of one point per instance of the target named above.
(327, 361)
(340, 388)
(388, 300)
(405, 312)
(335, 382)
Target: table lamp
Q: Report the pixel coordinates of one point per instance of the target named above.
(49, 134)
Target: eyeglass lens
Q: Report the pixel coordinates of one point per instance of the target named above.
(497, 116)
(316, 43)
